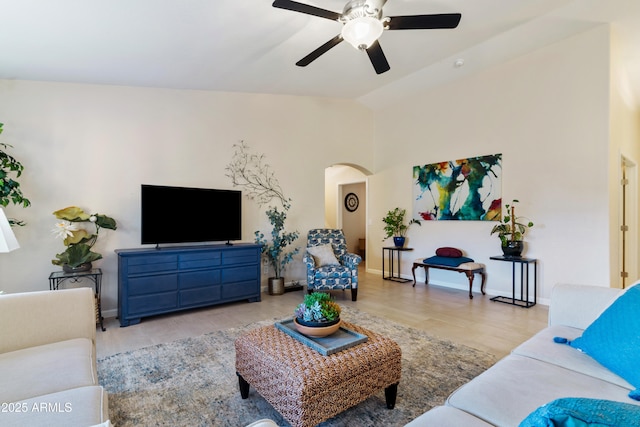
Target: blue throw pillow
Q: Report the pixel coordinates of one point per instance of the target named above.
(583, 412)
(613, 339)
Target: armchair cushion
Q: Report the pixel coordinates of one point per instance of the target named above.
(323, 255)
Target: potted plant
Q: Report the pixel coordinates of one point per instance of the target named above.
(275, 249)
(318, 315)
(9, 188)
(394, 226)
(79, 241)
(511, 231)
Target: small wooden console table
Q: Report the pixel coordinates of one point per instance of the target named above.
(523, 300)
(393, 260)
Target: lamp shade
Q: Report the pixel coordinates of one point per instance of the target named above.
(8, 241)
(362, 32)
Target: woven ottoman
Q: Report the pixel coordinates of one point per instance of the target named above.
(306, 387)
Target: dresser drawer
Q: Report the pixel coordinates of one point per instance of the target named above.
(153, 284)
(200, 260)
(199, 279)
(240, 256)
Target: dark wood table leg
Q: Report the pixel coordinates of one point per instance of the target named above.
(390, 394)
(244, 386)
(469, 274)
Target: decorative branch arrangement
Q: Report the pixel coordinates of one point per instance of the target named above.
(250, 172)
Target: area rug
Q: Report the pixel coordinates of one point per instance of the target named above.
(192, 381)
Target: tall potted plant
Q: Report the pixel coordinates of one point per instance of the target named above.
(511, 231)
(10, 191)
(275, 249)
(394, 226)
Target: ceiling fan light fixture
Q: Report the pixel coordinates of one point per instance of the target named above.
(361, 32)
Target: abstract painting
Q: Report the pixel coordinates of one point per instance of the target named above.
(465, 189)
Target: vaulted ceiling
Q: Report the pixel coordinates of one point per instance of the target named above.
(250, 46)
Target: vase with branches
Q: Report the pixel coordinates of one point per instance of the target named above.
(251, 172)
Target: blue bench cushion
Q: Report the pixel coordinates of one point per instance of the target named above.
(447, 261)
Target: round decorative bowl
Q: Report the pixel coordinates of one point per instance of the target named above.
(322, 330)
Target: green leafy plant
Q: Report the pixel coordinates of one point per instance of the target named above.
(10, 191)
(280, 239)
(511, 228)
(394, 223)
(79, 241)
(317, 307)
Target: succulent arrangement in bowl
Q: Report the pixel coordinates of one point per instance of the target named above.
(318, 315)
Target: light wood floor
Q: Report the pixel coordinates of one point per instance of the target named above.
(444, 312)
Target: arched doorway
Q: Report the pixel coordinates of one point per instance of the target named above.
(346, 204)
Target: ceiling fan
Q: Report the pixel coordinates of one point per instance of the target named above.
(363, 24)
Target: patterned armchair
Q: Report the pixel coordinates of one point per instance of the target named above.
(329, 265)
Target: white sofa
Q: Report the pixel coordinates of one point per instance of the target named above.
(48, 373)
(538, 371)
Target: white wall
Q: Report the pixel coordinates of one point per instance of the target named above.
(547, 113)
(625, 143)
(93, 146)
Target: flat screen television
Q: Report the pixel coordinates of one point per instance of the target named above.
(188, 215)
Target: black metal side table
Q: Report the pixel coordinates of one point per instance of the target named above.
(523, 300)
(393, 260)
(94, 275)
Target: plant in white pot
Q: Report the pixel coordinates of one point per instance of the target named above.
(511, 231)
(395, 226)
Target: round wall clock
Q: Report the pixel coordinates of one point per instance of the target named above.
(351, 202)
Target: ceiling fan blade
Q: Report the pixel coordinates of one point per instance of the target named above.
(305, 8)
(424, 22)
(319, 51)
(379, 61)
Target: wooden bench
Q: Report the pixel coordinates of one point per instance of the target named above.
(468, 268)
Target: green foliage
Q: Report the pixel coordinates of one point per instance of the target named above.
(78, 240)
(318, 307)
(394, 223)
(511, 227)
(76, 255)
(280, 239)
(9, 188)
